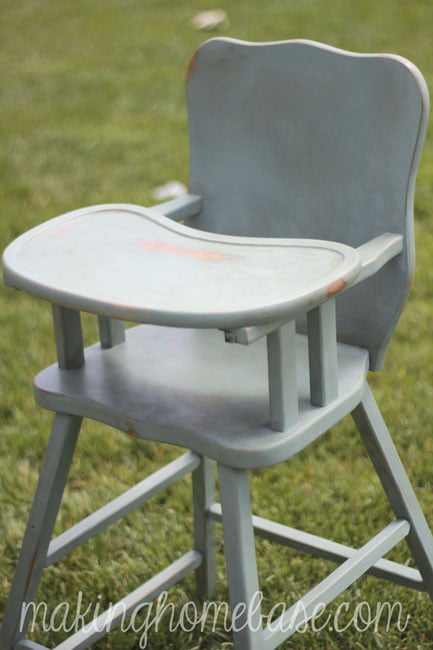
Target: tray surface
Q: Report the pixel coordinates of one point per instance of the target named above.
(132, 263)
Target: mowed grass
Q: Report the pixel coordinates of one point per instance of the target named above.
(92, 111)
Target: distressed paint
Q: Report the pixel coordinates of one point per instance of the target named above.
(171, 404)
(336, 287)
(30, 572)
(172, 249)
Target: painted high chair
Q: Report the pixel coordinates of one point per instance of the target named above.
(258, 316)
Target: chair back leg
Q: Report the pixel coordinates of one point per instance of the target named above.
(203, 492)
(240, 559)
(396, 484)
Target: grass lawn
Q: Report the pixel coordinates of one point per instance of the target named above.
(92, 111)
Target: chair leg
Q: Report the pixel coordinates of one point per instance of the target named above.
(240, 559)
(40, 525)
(396, 484)
(203, 487)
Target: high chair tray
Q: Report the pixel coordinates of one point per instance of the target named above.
(132, 263)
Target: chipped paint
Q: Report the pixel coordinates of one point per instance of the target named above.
(30, 572)
(171, 249)
(191, 65)
(336, 287)
(130, 429)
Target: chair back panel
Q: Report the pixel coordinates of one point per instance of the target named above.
(298, 139)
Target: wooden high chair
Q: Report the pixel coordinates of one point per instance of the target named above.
(258, 316)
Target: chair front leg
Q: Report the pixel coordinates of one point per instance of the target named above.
(240, 559)
(52, 480)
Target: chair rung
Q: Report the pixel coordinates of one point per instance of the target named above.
(25, 644)
(117, 508)
(328, 550)
(125, 607)
(335, 583)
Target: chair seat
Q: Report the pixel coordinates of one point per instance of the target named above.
(190, 388)
(126, 261)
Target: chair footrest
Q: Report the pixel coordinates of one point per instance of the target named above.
(328, 550)
(118, 612)
(335, 583)
(117, 508)
(25, 644)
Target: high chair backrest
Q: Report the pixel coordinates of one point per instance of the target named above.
(298, 139)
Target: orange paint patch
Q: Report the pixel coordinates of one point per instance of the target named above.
(171, 249)
(336, 287)
(62, 231)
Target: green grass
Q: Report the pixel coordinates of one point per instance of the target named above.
(92, 111)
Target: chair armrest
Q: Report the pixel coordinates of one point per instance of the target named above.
(374, 255)
(181, 208)
(377, 252)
